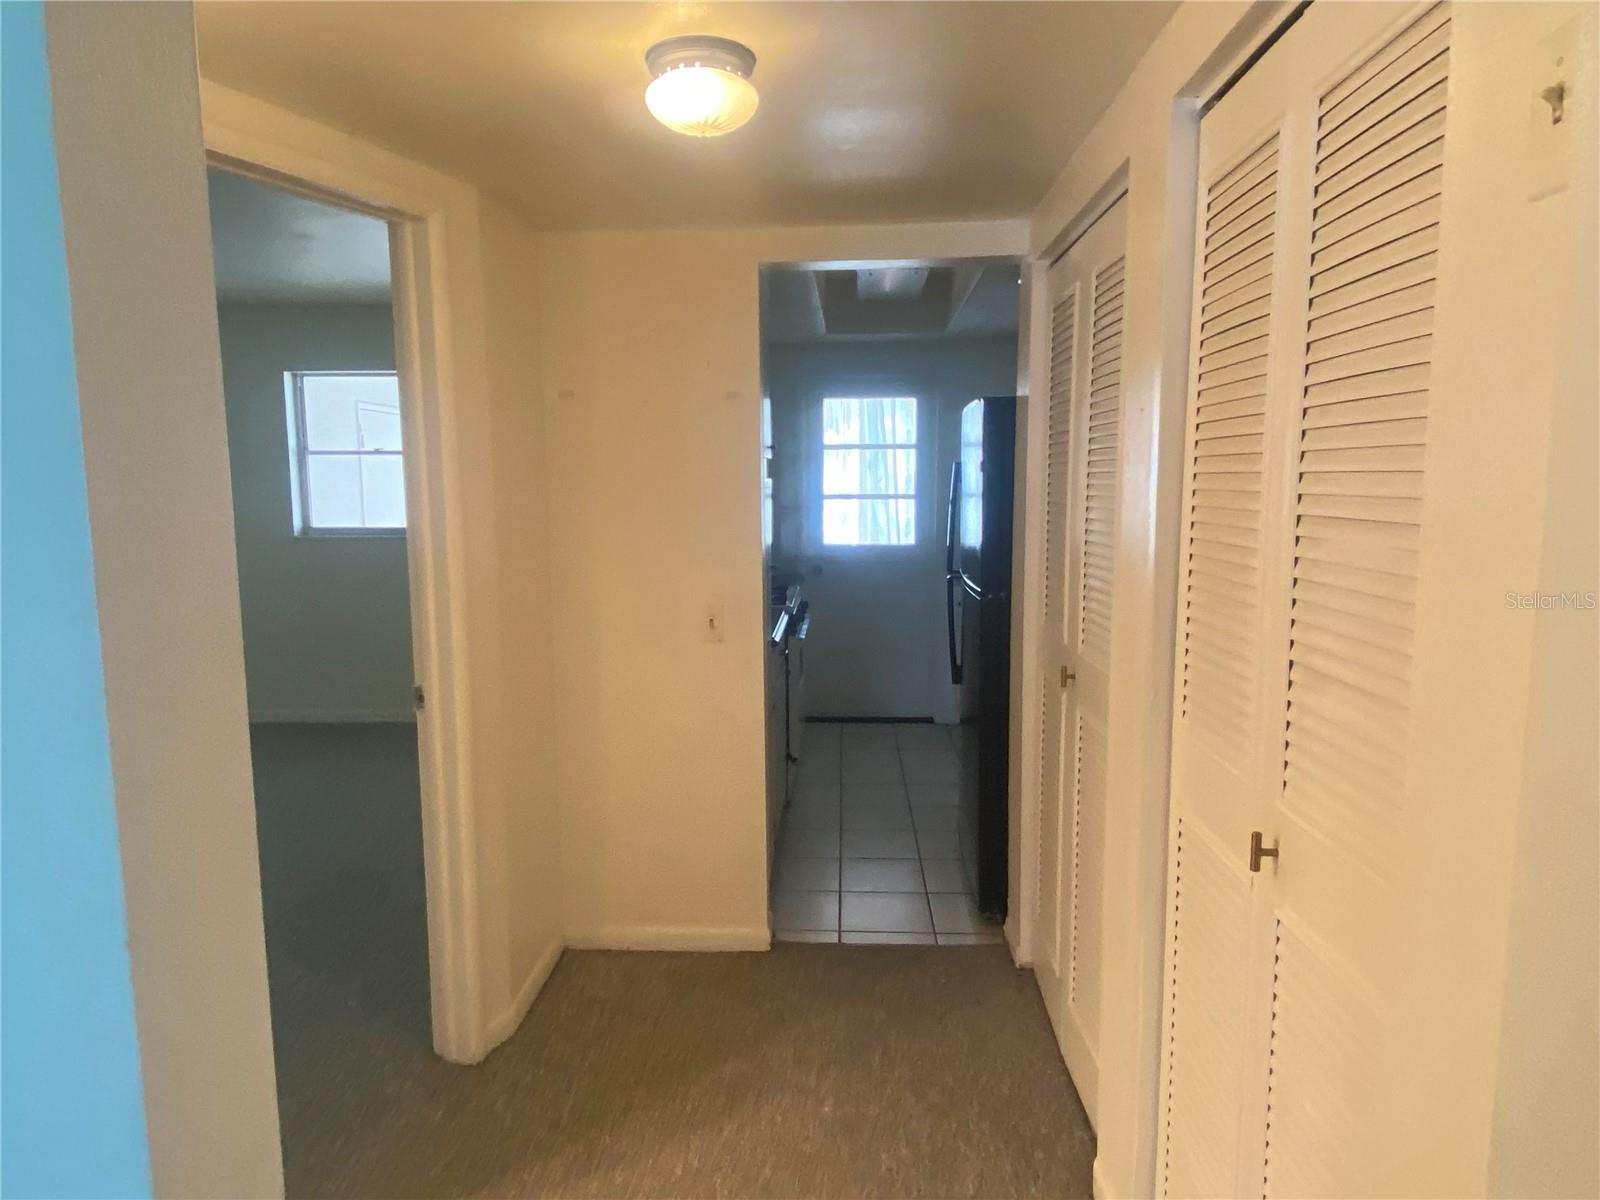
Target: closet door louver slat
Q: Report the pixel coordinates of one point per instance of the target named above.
(1101, 464)
(1222, 530)
(1360, 478)
(1058, 483)
(1204, 1038)
(1363, 430)
(1218, 717)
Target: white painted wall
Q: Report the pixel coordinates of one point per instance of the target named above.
(524, 829)
(651, 368)
(877, 646)
(327, 621)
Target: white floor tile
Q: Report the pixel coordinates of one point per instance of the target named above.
(937, 820)
(931, 768)
(815, 787)
(805, 935)
(860, 938)
(873, 795)
(806, 875)
(882, 875)
(803, 815)
(992, 938)
(944, 875)
(878, 816)
(956, 914)
(879, 843)
(937, 845)
(808, 843)
(875, 769)
(932, 795)
(805, 910)
(885, 912)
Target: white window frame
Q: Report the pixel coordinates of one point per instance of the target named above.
(300, 452)
(914, 496)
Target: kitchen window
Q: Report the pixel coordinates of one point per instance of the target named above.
(869, 471)
(345, 453)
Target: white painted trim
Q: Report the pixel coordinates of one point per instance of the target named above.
(673, 937)
(1101, 1189)
(503, 1024)
(333, 716)
(439, 340)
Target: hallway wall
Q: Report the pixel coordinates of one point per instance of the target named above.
(651, 369)
(72, 1111)
(134, 207)
(327, 621)
(877, 643)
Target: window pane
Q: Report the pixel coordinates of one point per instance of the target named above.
(881, 420)
(383, 488)
(351, 412)
(330, 418)
(380, 424)
(869, 472)
(869, 522)
(333, 485)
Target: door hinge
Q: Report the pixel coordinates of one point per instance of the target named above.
(417, 699)
(1067, 675)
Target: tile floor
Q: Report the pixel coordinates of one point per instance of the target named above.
(867, 850)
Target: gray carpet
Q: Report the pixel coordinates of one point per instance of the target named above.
(810, 1071)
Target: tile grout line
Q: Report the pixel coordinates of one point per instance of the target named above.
(838, 897)
(916, 837)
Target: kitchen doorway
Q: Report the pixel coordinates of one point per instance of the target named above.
(889, 422)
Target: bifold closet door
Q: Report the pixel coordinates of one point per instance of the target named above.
(1321, 176)
(1082, 475)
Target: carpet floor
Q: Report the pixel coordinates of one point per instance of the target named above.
(809, 1071)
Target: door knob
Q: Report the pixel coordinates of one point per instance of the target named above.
(1258, 851)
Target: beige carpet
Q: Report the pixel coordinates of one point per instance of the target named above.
(810, 1071)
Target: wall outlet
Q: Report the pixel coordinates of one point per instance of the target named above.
(711, 621)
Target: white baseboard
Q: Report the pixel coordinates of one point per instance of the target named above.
(672, 937)
(504, 1024)
(1098, 1183)
(332, 716)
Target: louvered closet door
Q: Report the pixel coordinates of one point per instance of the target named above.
(1317, 226)
(1081, 484)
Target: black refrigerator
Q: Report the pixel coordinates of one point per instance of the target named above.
(978, 624)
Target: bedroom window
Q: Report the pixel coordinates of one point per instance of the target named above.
(344, 452)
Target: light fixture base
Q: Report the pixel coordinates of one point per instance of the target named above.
(701, 50)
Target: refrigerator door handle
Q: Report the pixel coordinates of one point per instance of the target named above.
(952, 576)
(950, 582)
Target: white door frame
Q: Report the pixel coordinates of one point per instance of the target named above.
(429, 216)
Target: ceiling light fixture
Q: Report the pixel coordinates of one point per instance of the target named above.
(702, 85)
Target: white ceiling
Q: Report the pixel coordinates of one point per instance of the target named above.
(963, 298)
(272, 245)
(869, 112)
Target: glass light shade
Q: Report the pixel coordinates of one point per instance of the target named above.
(701, 101)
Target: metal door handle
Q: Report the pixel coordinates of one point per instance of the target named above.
(1067, 675)
(1258, 851)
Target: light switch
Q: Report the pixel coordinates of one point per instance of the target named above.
(1550, 121)
(711, 621)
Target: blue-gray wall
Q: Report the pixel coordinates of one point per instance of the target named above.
(71, 1104)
